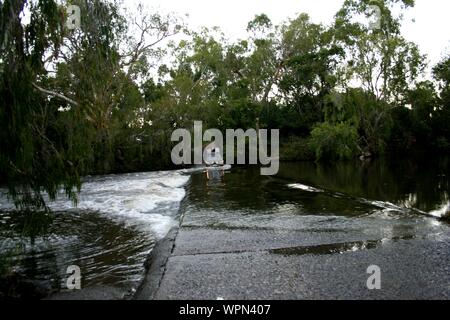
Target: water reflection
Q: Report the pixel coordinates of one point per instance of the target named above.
(377, 201)
(107, 252)
(343, 189)
(423, 185)
(333, 248)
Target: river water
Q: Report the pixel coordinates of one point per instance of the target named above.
(109, 234)
(120, 217)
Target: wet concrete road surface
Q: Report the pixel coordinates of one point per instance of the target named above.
(250, 237)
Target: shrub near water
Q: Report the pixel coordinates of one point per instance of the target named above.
(296, 149)
(334, 141)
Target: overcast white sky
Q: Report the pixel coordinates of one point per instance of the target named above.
(430, 29)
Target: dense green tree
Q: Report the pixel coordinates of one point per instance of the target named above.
(309, 70)
(441, 116)
(34, 152)
(381, 62)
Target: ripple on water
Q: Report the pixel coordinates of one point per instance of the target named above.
(107, 252)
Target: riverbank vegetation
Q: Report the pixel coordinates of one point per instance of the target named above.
(106, 96)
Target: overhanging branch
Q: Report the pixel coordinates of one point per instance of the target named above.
(55, 94)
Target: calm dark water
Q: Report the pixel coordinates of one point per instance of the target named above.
(350, 201)
(348, 189)
(376, 200)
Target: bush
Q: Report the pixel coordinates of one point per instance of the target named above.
(296, 149)
(334, 141)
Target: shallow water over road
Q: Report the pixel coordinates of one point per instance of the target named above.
(312, 231)
(397, 199)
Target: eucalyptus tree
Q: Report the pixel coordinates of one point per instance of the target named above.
(309, 75)
(289, 70)
(379, 60)
(207, 81)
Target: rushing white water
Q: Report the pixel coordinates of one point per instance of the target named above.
(304, 187)
(149, 201)
(442, 211)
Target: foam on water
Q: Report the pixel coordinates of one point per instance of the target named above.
(202, 168)
(439, 213)
(148, 201)
(304, 187)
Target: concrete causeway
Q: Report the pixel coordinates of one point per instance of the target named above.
(210, 263)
